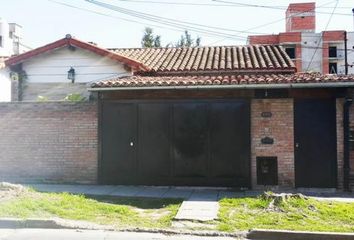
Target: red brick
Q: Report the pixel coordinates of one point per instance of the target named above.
(48, 142)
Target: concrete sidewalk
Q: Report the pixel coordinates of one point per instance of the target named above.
(194, 193)
(144, 191)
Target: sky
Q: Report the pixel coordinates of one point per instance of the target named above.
(217, 22)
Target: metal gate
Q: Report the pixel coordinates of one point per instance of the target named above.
(199, 143)
(315, 143)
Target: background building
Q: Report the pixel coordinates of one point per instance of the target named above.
(320, 52)
(11, 39)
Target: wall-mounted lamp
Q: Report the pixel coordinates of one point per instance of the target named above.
(71, 74)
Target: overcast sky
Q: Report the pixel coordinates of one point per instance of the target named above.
(224, 22)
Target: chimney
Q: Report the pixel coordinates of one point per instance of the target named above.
(301, 17)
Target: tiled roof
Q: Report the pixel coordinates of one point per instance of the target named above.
(233, 59)
(175, 81)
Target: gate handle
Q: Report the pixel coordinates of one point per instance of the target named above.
(296, 145)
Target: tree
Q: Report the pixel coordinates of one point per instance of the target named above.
(186, 40)
(149, 40)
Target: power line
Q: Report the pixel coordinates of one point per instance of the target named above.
(319, 41)
(272, 22)
(179, 3)
(175, 26)
(164, 20)
(108, 15)
(272, 7)
(172, 26)
(202, 4)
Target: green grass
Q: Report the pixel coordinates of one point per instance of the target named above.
(295, 214)
(118, 212)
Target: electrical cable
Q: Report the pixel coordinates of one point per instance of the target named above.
(173, 26)
(152, 17)
(271, 23)
(200, 4)
(319, 40)
(273, 7)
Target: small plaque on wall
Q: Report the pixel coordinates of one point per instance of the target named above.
(267, 140)
(266, 114)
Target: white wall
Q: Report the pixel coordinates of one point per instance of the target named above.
(5, 85)
(350, 44)
(53, 67)
(6, 49)
(311, 58)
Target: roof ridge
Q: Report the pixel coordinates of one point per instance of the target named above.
(218, 46)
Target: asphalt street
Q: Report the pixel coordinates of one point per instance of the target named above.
(61, 234)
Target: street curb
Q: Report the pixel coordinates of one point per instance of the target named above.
(58, 223)
(297, 235)
(29, 223)
(255, 234)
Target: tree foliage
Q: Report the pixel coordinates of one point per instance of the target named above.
(149, 40)
(186, 40)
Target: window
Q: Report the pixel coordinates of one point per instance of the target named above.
(332, 52)
(291, 52)
(332, 68)
(0, 41)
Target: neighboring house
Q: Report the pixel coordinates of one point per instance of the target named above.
(64, 67)
(317, 52)
(232, 116)
(11, 42)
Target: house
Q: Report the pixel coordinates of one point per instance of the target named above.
(322, 52)
(11, 42)
(230, 116)
(63, 67)
(223, 116)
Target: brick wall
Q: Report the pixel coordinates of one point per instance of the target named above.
(301, 17)
(263, 39)
(333, 36)
(280, 127)
(48, 142)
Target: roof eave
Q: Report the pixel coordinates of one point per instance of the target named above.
(243, 86)
(69, 41)
(226, 71)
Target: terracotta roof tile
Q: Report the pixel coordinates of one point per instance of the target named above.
(215, 58)
(200, 80)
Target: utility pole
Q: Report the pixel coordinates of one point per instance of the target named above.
(346, 52)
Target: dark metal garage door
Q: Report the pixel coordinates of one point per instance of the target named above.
(199, 143)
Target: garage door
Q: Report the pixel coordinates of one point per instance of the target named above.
(199, 143)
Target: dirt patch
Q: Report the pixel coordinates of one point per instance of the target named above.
(194, 225)
(9, 191)
(152, 214)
